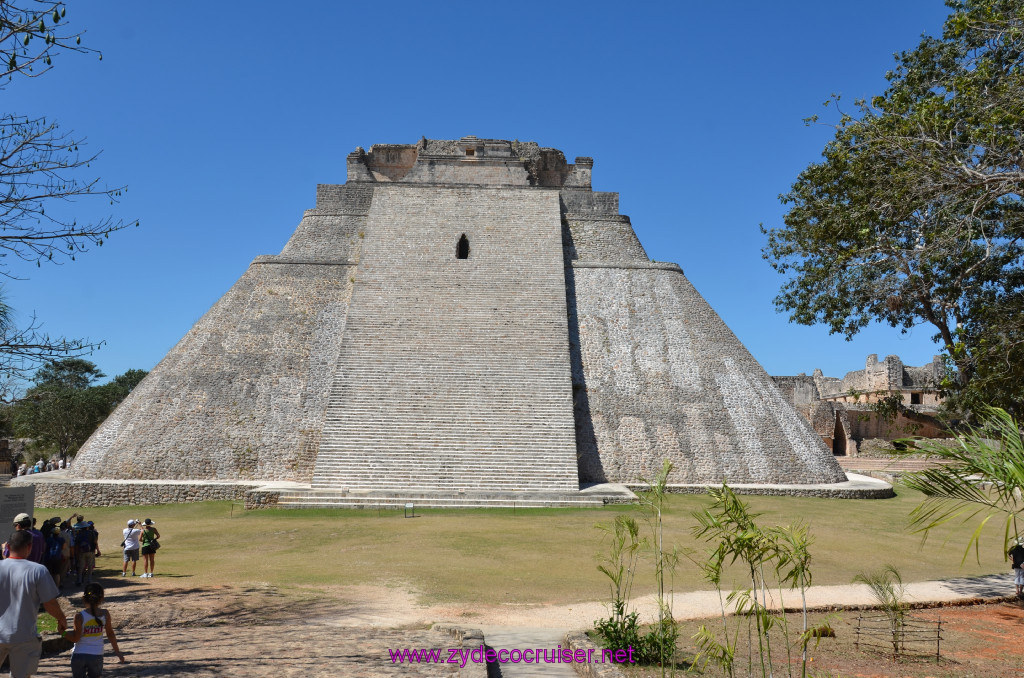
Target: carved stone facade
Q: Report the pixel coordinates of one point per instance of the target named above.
(461, 315)
(840, 409)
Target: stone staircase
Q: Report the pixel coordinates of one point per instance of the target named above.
(469, 470)
(592, 497)
(454, 373)
(888, 465)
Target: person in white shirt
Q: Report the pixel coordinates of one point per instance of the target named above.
(24, 585)
(131, 547)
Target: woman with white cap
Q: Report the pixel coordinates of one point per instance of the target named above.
(150, 535)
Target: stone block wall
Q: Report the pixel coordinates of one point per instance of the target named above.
(342, 199)
(601, 239)
(454, 373)
(576, 201)
(799, 391)
(866, 424)
(241, 396)
(327, 239)
(661, 376)
(75, 494)
(881, 377)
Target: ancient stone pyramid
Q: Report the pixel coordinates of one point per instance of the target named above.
(460, 315)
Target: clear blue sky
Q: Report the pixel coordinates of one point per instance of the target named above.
(221, 118)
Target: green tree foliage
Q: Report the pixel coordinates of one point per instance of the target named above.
(914, 216)
(72, 373)
(64, 406)
(118, 388)
(41, 167)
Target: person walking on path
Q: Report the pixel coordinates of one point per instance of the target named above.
(54, 551)
(149, 542)
(68, 565)
(131, 547)
(1017, 563)
(38, 554)
(87, 545)
(23, 522)
(24, 586)
(87, 635)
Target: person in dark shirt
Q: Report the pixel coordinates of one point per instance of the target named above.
(1017, 563)
(23, 522)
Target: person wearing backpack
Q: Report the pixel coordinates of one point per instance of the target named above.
(54, 559)
(87, 547)
(68, 564)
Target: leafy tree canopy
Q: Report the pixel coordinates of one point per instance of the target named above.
(65, 405)
(914, 215)
(71, 373)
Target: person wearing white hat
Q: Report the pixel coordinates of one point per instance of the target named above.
(23, 522)
(150, 535)
(131, 547)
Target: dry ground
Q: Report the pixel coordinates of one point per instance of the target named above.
(234, 632)
(327, 593)
(980, 641)
(166, 629)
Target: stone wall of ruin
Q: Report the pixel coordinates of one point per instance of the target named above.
(242, 395)
(661, 377)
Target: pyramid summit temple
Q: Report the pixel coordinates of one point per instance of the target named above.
(462, 319)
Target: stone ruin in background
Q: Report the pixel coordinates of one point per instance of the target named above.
(840, 410)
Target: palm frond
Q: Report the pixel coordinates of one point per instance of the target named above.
(982, 474)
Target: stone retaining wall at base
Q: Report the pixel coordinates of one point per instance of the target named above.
(788, 491)
(578, 640)
(58, 494)
(260, 499)
(61, 493)
(467, 638)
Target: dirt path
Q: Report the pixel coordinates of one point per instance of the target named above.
(282, 651)
(257, 632)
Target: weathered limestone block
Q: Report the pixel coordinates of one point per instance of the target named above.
(242, 395)
(664, 378)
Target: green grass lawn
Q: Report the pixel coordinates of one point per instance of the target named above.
(495, 556)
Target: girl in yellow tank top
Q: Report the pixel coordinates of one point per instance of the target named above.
(90, 626)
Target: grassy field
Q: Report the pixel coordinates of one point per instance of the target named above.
(495, 556)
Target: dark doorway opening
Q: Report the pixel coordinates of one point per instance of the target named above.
(839, 439)
(462, 249)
